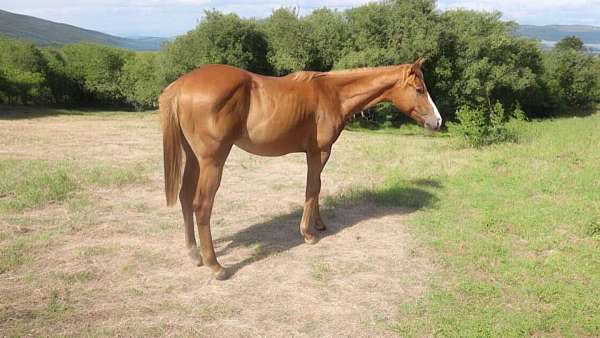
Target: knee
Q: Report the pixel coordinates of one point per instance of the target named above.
(197, 205)
(201, 204)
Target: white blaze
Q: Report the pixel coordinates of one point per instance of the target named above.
(435, 110)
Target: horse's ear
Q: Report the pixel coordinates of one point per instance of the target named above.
(417, 64)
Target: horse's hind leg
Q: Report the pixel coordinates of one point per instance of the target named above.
(186, 197)
(211, 169)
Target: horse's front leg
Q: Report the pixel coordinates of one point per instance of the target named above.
(319, 224)
(315, 160)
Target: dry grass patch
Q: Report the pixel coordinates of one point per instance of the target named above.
(114, 260)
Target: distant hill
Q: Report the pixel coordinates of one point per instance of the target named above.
(589, 34)
(551, 34)
(48, 33)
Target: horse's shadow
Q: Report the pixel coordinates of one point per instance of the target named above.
(281, 232)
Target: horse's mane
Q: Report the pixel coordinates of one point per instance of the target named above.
(306, 75)
(353, 71)
(310, 75)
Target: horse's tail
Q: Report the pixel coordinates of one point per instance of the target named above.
(171, 142)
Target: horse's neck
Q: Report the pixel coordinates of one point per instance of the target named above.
(361, 89)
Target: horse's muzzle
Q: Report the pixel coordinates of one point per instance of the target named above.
(434, 125)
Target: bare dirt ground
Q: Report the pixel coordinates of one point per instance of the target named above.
(118, 264)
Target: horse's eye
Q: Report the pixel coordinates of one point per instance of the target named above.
(420, 90)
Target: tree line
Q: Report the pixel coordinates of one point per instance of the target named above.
(475, 60)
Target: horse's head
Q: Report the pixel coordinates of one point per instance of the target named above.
(411, 97)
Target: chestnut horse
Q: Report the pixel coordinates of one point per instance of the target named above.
(207, 111)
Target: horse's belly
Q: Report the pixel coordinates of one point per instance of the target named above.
(274, 141)
(267, 149)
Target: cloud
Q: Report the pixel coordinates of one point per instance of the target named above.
(155, 17)
(541, 12)
(174, 17)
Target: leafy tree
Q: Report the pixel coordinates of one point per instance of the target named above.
(328, 35)
(390, 32)
(570, 42)
(571, 78)
(97, 70)
(64, 89)
(23, 69)
(368, 43)
(4, 87)
(291, 47)
(482, 63)
(219, 38)
(141, 80)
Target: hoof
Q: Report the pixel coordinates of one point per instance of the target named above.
(320, 226)
(195, 256)
(311, 239)
(221, 274)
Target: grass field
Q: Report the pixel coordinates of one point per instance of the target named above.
(426, 238)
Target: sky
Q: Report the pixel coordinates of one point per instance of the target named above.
(167, 18)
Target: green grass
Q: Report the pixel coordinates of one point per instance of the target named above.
(114, 176)
(394, 191)
(517, 237)
(27, 185)
(321, 272)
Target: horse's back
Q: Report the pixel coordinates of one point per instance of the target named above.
(211, 85)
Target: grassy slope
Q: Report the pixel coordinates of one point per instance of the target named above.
(517, 232)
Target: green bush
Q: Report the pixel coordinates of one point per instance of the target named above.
(478, 127)
(474, 59)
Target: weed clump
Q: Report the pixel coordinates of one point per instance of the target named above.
(480, 127)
